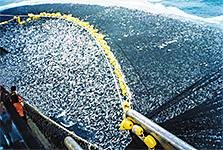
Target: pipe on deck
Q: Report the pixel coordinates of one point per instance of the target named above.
(165, 138)
(71, 144)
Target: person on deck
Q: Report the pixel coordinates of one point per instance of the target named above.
(16, 100)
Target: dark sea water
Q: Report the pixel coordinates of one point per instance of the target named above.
(173, 68)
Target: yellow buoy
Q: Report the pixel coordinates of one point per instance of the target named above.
(124, 92)
(99, 38)
(91, 30)
(122, 125)
(116, 71)
(71, 18)
(137, 130)
(44, 13)
(95, 34)
(84, 23)
(14, 17)
(5, 22)
(88, 26)
(53, 14)
(48, 14)
(58, 14)
(126, 104)
(112, 60)
(101, 35)
(107, 52)
(19, 20)
(35, 17)
(28, 19)
(106, 47)
(95, 31)
(78, 21)
(123, 116)
(110, 55)
(122, 86)
(150, 141)
(103, 42)
(127, 124)
(114, 63)
(119, 75)
(75, 20)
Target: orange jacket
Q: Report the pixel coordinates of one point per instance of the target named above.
(18, 106)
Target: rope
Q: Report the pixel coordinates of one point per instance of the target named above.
(14, 17)
(7, 15)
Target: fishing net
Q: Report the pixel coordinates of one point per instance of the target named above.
(61, 70)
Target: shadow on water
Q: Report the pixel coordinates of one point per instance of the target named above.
(173, 67)
(75, 126)
(3, 51)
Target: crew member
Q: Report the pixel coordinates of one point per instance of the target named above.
(16, 100)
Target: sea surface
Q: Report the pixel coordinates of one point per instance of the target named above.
(170, 53)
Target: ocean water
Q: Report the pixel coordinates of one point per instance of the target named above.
(201, 8)
(169, 51)
(208, 11)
